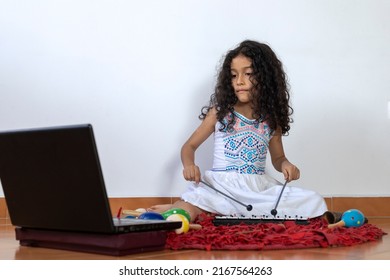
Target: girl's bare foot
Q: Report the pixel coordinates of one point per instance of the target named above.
(160, 208)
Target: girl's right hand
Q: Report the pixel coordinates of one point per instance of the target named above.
(192, 173)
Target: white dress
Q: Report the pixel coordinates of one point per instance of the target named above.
(239, 171)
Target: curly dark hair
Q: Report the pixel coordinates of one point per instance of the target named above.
(270, 91)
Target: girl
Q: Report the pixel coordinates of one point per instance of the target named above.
(248, 114)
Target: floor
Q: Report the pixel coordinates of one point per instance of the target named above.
(377, 250)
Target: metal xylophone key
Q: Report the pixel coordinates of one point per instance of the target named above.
(254, 219)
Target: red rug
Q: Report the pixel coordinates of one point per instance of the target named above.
(270, 236)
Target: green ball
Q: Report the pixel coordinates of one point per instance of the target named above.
(180, 211)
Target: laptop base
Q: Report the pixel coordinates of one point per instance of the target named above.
(106, 244)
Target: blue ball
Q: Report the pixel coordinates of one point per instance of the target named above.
(353, 218)
(151, 216)
(130, 217)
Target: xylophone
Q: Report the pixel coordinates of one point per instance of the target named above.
(253, 219)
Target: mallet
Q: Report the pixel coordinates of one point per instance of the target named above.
(248, 207)
(274, 211)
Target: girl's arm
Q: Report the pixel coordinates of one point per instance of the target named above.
(191, 171)
(279, 160)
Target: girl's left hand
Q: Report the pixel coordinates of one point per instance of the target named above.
(290, 171)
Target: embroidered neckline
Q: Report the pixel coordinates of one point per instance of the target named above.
(245, 119)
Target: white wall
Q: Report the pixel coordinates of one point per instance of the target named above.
(140, 71)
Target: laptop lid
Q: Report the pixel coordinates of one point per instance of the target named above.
(52, 179)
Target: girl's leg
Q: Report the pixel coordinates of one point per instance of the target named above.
(191, 209)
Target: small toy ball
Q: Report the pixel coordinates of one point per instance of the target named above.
(353, 218)
(350, 218)
(185, 225)
(151, 216)
(180, 211)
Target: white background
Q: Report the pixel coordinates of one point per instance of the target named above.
(139, 72)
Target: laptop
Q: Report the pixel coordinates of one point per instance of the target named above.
(52, 180)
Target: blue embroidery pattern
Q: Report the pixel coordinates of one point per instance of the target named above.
(246, 146)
